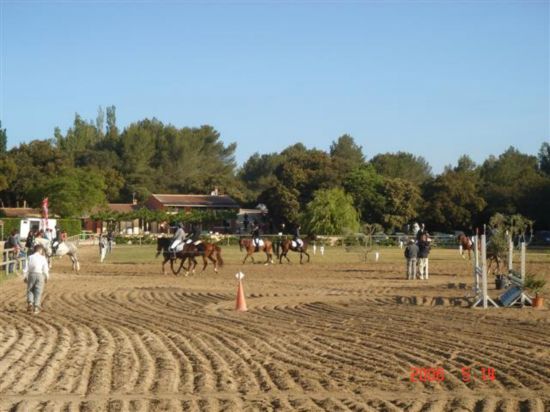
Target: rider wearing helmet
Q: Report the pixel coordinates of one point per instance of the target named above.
(296, 238)
(255, 232)
(178, 238)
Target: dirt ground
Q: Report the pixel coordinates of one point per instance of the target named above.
(338, 334)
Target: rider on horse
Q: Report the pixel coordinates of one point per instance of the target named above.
(57, 240)
(178, 238)
(255, 232)
(296, 238)
(193, 236)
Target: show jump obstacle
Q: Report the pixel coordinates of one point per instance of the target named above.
(515, 293)
(480, 274)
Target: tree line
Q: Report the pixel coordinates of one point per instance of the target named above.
(95, 162)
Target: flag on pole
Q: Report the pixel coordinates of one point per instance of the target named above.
(45, 212)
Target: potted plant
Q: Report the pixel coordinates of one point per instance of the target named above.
(535, 285)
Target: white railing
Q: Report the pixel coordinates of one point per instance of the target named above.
(11, 265)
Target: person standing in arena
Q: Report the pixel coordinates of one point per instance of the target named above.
(411, 254)
(36, 275)
(423, 253)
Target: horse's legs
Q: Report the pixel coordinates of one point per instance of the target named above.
(246, 257)
(214, 261)
(205, 261)
(166, 259)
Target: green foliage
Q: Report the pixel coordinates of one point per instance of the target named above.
(306, 171)
(71, 226)
(330, 212)
(508, 180)
(453, 199)
(366, 188)
(544, 158)
(534, 284)
(402, 200)
(193, 216)
(402, 165)
(75, 192)
(3, 140)
(346, 155)
(504, 226)
(10, 224)
(282, 203)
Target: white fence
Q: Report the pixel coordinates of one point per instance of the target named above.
(10, 265)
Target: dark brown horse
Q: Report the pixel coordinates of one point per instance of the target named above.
(248, 245)
(286, 245)
(190, 251)
(163, 246)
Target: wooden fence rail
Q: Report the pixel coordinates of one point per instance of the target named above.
(11, 265)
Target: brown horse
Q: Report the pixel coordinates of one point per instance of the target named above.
(207, 251)
(285, 245)
(163, 246)
(248, 245)
(468, 245)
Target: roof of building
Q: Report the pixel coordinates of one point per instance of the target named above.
(20, 212)
(222, 201)
(121, 207)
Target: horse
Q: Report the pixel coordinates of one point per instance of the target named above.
(64, 248)
(250, 247)
(285, 245)
(468, 245)
(206, 250)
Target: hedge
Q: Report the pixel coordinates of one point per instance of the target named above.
(71, 226)
(10, 224)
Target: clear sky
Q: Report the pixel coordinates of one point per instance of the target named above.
(436, 78)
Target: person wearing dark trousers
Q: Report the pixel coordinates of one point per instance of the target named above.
(423, 253)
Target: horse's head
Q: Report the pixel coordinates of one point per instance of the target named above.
(163, 243)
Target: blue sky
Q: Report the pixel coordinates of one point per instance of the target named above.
(438, 79)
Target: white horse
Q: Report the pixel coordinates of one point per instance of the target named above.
(64, 248)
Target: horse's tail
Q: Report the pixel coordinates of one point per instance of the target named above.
(219, 256)
(241, 245)
(277, 248)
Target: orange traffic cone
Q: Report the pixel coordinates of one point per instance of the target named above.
(241, 303)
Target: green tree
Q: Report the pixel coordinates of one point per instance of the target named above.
(453, 199)
(508, 180)
(402, 201)
(346, 155)
(366, 188)
(306, 171)
(75, 192)
(258, 173)
(403, 165)
(3, 140)
(282, 203)
(330, 212)
(544, 158)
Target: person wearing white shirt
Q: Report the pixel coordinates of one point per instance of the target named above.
(36, 274)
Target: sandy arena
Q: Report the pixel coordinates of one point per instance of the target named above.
(337, 334)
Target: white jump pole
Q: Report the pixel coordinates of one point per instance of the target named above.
(484, 269)
(522, 270)
(484, 298)
(510, 254)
